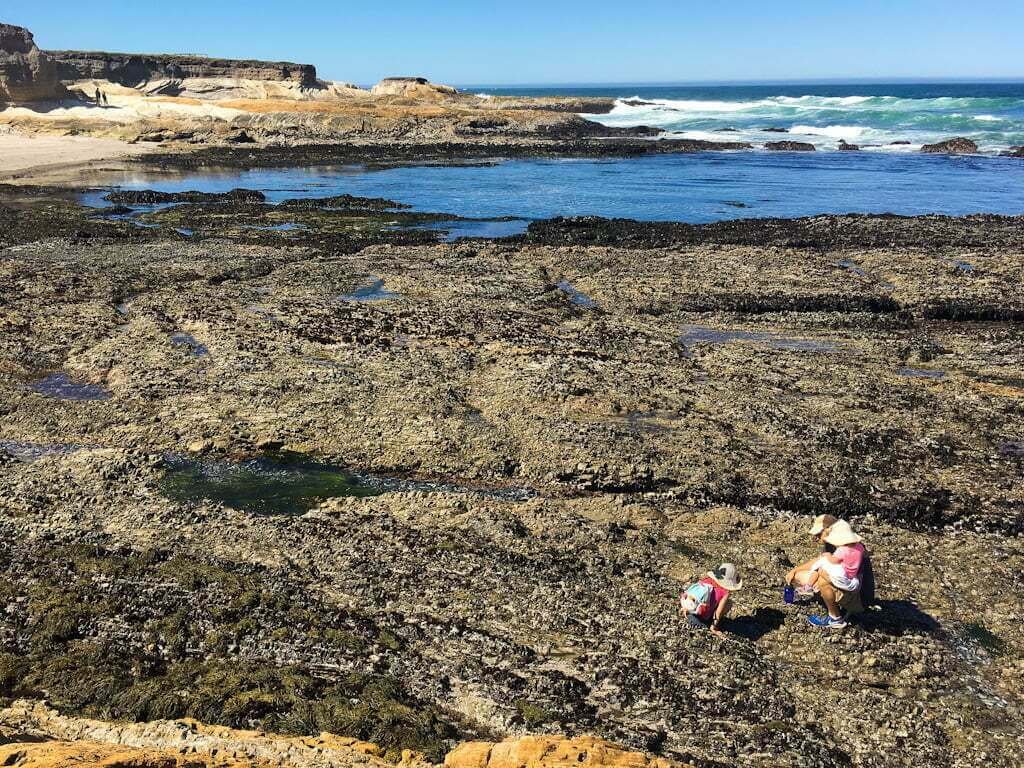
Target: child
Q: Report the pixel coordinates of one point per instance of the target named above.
(707, 602)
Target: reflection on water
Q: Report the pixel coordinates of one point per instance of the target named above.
(291, 483)
(29, 452)
(696, 334)
(60, 386)
(575, 296)
(922, 373)
(189, 342)
(374, 291)
(266, 486)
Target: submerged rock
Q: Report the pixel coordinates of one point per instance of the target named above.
(1014, 152)
(264, 485)
(955, 146)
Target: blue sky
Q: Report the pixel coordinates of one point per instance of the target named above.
(559, 42)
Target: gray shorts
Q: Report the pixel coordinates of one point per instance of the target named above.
(696, 623)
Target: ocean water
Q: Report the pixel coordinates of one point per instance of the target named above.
(706, 186)
(693, 188)
(873, 115)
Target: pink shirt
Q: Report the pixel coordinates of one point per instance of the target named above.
(850, 556)
(717, 595)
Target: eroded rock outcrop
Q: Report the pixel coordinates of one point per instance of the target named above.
(134, 69)
(65, 741)
(550, 752)
(412, 87)
(26, 73)
(43, 738)
(65, 754)
(958, 145)
(1014, 152)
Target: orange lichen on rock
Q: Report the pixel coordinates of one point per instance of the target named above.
(550, 752)
(66, 754)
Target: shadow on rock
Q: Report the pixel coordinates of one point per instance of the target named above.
(895, 617)
(758, 624)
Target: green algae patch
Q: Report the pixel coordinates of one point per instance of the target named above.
(282, 485)
(89, 632)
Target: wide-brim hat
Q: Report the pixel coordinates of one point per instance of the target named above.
(841, 534)
(726, 577)
(821, 522)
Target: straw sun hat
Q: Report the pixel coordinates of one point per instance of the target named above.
(726, 577)
(821, 522)
(841, 534)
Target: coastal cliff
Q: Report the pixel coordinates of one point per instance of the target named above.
(26, 73)
(133, 70)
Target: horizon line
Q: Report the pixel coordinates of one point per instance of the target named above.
(923, 80)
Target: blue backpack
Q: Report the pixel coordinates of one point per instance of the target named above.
(697, 599)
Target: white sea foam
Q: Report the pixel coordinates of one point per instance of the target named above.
(847, 132)
(639, 104)
(874, 122)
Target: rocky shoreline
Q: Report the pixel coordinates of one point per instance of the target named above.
(308, 469)
(671, 395)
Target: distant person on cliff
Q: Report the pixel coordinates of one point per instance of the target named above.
(803, 576)
(707, 602)
(836, 577)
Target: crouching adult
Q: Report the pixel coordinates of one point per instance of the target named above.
(803, 576)
(836, 577)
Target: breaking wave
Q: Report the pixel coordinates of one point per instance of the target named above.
(995, 123)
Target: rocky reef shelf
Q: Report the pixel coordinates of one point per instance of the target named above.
(536, 481)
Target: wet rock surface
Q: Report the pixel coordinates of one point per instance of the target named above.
(564, 144)
(731, 380)
(790, 146)
(955, 146)
(151, 197)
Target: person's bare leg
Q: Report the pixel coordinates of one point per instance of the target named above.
(800, 574)
(828, 595)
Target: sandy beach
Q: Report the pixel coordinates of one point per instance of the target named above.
(45, 158)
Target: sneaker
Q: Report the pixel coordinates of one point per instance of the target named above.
(826, 622)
